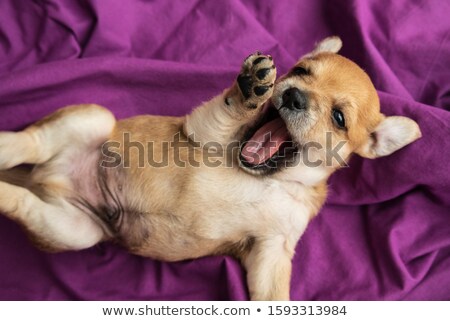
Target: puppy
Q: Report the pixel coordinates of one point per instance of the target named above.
(238, 176)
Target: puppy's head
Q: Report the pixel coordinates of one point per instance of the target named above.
(328, 108)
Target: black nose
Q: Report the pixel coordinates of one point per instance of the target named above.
(293, 98)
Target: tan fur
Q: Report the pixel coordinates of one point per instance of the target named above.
(71, 201)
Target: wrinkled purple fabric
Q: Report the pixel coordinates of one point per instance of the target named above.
(384, 233)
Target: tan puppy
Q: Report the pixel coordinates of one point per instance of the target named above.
(237, 176)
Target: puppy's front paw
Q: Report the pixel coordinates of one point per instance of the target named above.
(256, 80)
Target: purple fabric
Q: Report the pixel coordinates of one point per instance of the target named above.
(385, 230)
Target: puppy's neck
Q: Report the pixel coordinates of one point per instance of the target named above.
(305, 175)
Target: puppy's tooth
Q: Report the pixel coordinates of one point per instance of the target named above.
(262, 73)
(260, 90)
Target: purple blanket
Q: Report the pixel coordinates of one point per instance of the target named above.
(384, 233)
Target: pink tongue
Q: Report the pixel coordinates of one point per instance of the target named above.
(265, 142)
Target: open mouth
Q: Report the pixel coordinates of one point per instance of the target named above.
(268, 146)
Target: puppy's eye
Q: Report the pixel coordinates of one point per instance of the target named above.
(338, 118)
(301, 71)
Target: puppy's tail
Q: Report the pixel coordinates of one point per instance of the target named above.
(19, 176)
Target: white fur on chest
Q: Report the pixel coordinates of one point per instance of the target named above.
(284, 204)
(261, 207)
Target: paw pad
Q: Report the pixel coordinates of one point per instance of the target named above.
(256, 79)
(261, 90)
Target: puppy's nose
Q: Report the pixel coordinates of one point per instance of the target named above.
(294, 99)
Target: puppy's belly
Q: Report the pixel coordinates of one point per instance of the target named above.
(154, 211)
(159, 230)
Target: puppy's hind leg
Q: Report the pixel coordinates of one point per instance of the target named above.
(222, 118)
(52, 226)
(41, 141)
(43, 208)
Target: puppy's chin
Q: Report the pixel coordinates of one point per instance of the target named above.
(267, 146)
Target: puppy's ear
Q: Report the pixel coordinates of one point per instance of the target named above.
(330, 44)
(390, 135)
